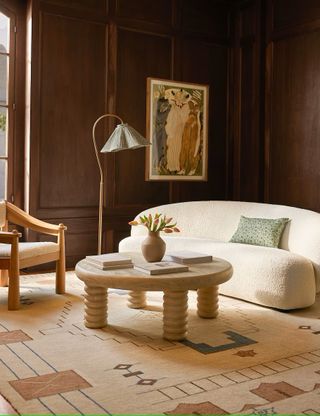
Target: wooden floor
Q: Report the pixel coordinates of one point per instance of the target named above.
(5, 408)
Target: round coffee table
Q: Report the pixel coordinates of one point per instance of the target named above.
(204, 278)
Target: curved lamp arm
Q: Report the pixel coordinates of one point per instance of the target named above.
(94, 138)
(101, 175)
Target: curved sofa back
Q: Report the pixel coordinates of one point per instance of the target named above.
(219, 219)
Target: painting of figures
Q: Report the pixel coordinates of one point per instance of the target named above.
(177, 126)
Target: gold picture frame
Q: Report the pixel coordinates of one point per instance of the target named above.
(177, 127)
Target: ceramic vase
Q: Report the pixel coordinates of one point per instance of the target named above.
(153, 247)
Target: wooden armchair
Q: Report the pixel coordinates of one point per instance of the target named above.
(15, 256)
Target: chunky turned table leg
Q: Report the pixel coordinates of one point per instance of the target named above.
(208, 302)
(137, 299)
(96, 306)
(175, 315)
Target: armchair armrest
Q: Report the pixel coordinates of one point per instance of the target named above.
(19, 217)
(9, 237)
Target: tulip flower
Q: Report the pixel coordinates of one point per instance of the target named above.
(156, 222)
(133, 223)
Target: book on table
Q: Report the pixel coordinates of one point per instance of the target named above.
(112, 267)
(110, 260)
(188, 257)
(162, 267)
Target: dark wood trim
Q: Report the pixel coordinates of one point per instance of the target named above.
(86, 13)
(261, 80)
(246, 154)
(32, 187)
(268, 118)
(111, 99)
(236, 143)
(258, 83)
(17, 9)
(12, 112)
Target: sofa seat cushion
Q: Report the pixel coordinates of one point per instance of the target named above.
(264, 275)
(27, 250)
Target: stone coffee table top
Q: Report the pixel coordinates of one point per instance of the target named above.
(199, 275)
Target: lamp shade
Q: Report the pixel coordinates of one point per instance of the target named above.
(124, 137)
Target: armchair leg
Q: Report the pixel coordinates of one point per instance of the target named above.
(61, 263)
(14, 283)
(14, 291)
(60, 277)
(4, 279)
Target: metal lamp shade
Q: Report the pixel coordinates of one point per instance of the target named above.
(124, 137)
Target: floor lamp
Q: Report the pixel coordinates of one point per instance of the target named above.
(123, 137)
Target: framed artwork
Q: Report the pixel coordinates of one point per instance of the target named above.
(177, 127)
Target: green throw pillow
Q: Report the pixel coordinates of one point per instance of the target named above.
(259, 231)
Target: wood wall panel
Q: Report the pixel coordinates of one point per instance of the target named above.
(142, 10)
(213, 71)
(69, 49)
(81, 236)
(292, 104)
(294, 147)
(275, 119)
(206, 17)
(92, 6)
(146, 55)
(290, 13)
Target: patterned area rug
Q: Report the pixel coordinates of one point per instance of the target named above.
(250, 360)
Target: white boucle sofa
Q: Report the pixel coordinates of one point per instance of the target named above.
(285, 278)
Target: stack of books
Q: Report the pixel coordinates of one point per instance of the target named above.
(110, 261)
(162, 267)
(188, 257)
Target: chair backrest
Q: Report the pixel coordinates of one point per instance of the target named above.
(3, 213)
(219, 219)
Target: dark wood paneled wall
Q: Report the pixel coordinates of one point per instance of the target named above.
(293, 104)
(247, 121)
(260, 58)
(92, 57)
(276, 123)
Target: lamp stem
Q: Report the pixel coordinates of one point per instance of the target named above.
(101, 176)
(100, 216)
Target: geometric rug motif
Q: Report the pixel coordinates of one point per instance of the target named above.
(10, 337)
(238, 341)
(49, 384)
(250, 359)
